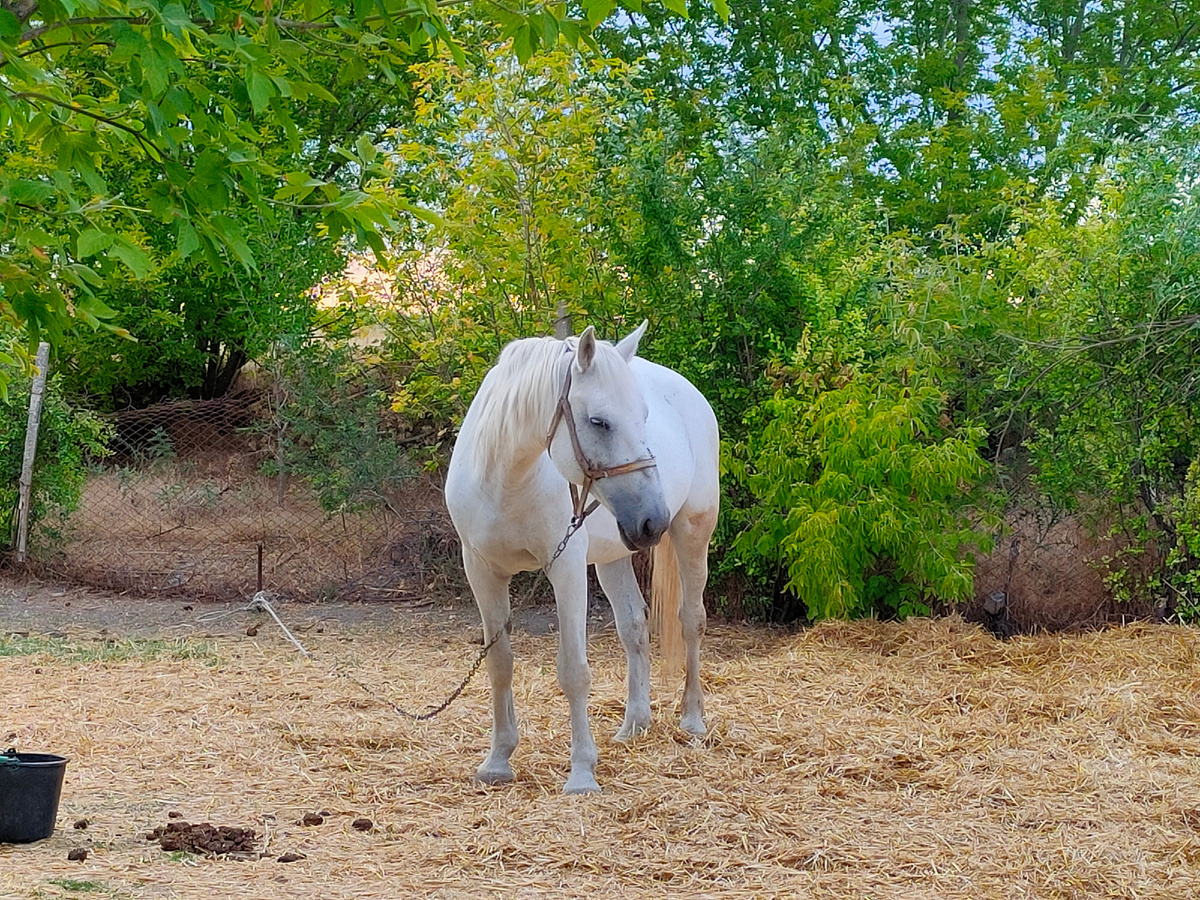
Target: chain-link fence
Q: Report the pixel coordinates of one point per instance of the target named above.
(1056, 570)
(198, 495)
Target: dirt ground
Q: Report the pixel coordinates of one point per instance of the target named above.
(41, 608)
(922, 759)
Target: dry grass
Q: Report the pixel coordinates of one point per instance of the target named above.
(853, 760)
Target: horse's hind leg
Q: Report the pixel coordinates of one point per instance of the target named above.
(629, 609)
(491, 595)
(691, 531)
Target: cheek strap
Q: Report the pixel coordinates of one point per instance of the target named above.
(591, 473)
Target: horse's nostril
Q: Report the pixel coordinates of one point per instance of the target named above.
(652, 528)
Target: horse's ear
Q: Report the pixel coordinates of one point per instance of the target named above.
(628, 345)
(586, 351)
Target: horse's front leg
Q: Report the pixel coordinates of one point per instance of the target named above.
(569, 577)
(491, 595)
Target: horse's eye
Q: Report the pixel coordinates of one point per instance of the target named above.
(599, 423)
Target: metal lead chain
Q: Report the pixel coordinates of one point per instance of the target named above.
(454, 695)
(574, 526)
(260, 603)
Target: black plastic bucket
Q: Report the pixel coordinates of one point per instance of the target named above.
(30, 787)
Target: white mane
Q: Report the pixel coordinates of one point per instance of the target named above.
(518, 396)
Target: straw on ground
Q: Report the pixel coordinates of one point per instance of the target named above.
(853, 760)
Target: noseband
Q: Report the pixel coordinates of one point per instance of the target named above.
(591, 473)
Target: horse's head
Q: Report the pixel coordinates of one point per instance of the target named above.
(605, 438)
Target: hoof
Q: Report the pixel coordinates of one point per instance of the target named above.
(494, 774)
(630, 730)
(693, 724)
(581, 783)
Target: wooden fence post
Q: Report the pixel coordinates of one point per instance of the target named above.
(36, 393)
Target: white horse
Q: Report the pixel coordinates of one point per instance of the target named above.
(644, 440)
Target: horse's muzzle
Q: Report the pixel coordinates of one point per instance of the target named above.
(643, 535)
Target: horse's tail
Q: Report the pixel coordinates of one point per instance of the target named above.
(665, 591)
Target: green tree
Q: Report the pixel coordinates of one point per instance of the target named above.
(1013, 180)
(507, 154)
(227, 111)
(933, 107)
(1074, 341)
(197, 327)
(733, 249)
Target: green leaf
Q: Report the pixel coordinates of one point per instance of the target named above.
(84, 276)
(93, 241)
(30, 192)
(722, 8)
(259, 88)
(95, 307)
(189, 240)
(90, 176)
(132, 255)
(569, 31)
(420, 212)
(118, 331)
(523, 44)
(320, 92)
(599, 10)
(154, 69)
(549, 29)
(366, 149)
(677, 6)
(230, 234)
(375, 241)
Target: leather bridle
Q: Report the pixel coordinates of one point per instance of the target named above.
(591, 473)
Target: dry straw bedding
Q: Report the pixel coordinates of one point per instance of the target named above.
(853, 760)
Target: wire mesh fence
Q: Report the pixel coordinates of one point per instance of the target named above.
(1054, 570)
(197, 496)
(221, 498)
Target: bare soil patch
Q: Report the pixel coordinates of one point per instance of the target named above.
(922, 759)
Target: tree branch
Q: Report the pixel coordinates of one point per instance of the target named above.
(148, 146)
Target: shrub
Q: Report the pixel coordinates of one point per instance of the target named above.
(67, 439)
(862, 485)
(328, 426)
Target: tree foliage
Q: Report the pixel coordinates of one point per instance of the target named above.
(328, 425)
(862, 483)
(970, 178)
(904, 246)
(508, 153)
(196, 328)
(932, 107)
(226, 112)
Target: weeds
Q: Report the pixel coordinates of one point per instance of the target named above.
(75, 651)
